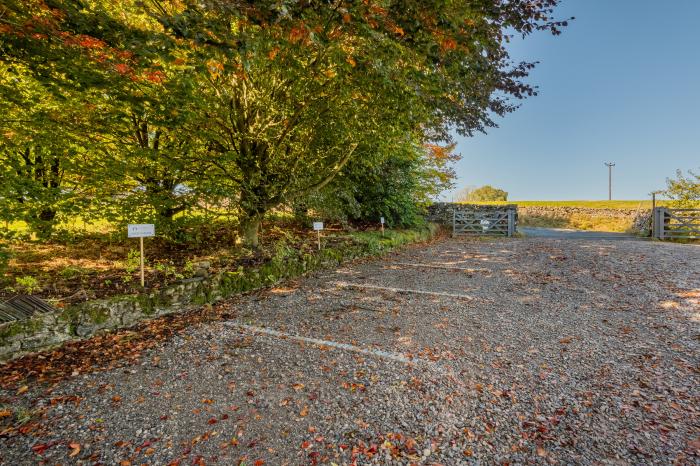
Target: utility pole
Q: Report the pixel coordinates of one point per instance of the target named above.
(609, 165)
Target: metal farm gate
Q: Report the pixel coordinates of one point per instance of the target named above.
(676, 223)
(476, 220)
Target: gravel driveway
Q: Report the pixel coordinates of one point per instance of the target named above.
(459, 352)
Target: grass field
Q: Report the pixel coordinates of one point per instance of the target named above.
(621, 205)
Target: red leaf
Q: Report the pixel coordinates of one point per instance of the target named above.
(40, 448)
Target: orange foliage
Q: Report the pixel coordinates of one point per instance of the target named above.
(442, 153)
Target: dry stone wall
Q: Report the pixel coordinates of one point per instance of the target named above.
(44, 331)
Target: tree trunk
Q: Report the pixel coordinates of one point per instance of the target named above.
(249, 230)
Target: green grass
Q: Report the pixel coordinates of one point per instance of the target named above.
(578, 222)
(622, 205)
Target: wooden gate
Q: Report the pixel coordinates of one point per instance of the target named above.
(467, 221)
(676, 223)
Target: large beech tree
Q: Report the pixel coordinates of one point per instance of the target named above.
(292, 88)
(274, 97)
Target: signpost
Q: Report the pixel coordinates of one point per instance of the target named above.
(318, 226)
(141, 231)
(381, 219)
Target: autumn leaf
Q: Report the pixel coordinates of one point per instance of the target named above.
(304, 411)
(116, 398)
(40, 448)
(5, 413)
(298, 386)
(22, 389)
(75, 449)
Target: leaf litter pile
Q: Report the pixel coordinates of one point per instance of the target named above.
(555, 351)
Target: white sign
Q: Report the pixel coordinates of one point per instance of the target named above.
(382, 220)
(141, 230)
(318, 226)
(485, 224)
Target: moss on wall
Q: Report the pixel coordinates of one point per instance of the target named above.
(86, 319)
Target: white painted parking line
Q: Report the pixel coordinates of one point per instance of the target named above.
(315, 341)
(439, 266)
(401, 290)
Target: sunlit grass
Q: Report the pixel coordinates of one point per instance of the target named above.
(622, 205)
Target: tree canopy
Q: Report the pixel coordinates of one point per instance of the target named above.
(148, 108)
(484, 193)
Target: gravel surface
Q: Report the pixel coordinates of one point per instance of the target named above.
(516, 351)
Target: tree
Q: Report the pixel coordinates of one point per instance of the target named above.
(685, 189)
(484, 193)
(394, 180)
(42, 164)
(292, 89)
(268, 101)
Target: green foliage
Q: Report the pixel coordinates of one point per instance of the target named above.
(144, 111)
(27, 284)
(684, 189)
(5, 256)
(484, 193)
(131, 265)
(395, 182)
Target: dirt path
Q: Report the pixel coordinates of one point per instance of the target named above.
(523, 350)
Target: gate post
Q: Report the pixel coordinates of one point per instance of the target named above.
(655, 223)
(511, 222)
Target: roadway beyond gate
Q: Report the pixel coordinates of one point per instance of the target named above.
(563, 233)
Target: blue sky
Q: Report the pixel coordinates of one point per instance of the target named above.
(622, 84)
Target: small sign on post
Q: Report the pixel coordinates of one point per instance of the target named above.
(141, 231)
(318, 226)
(381, 220)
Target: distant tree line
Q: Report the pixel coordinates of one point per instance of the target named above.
(138, 110)
(484, 193)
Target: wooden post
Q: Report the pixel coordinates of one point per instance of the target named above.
(143, 280)
(511, 222)
(319, 239)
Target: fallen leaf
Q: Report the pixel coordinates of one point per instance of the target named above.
(40, 448)
(75, 449)
(5, 413)
(304, 411)
(116, 398)
(22, 389)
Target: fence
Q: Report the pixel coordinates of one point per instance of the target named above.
(676, 223)
(476, 220)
